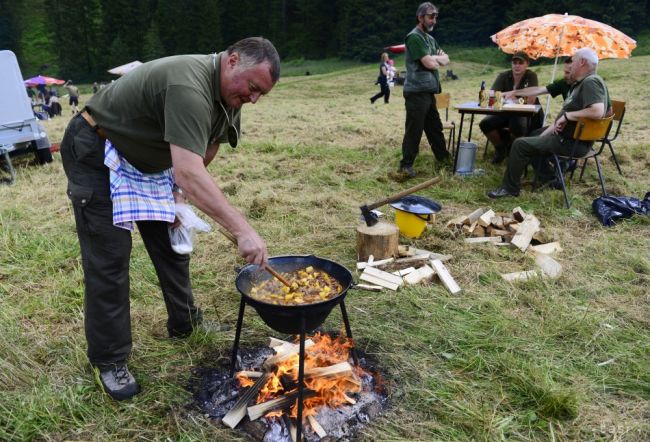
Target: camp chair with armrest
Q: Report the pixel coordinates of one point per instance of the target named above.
(587, 129)
(618, 108)
(443, 101)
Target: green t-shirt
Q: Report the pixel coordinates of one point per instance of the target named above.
(558, 87)
(588, 91)
(172, 100)
(505, 81)
(419, 78)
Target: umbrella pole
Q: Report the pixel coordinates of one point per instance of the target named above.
(557, 54)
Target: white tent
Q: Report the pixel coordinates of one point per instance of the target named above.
(125, 68)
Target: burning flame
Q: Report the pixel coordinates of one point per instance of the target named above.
(331, 390)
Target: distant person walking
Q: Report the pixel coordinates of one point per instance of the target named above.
(382, 80)
(73, 91)
(423, 59)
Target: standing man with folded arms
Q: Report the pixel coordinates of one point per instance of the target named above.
(127, 156)
(423, 59)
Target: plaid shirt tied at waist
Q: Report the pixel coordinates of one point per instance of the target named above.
(138, 196)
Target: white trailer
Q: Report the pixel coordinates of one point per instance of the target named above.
(20, 131)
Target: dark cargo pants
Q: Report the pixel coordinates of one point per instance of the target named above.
(106, 250)
(536, 151)
(422, 115)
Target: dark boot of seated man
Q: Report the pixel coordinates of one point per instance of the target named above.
(500, 138)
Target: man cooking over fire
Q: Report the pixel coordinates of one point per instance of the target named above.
(127, 156)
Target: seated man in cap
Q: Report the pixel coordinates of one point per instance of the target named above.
(493, 126)
(587, 98)
(560, 86)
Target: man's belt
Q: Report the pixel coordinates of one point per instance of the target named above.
(91, 122)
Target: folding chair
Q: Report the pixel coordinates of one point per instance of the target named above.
(619, 112)
(443, 101)
(587, 129)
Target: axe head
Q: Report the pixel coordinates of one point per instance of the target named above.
(368, 216)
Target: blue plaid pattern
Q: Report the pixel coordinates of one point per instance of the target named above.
(138, 196)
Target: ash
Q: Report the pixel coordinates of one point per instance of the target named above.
(215, 392)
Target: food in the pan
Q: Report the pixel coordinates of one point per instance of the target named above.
(308, 285)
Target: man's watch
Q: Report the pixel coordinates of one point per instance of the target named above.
(177, 189)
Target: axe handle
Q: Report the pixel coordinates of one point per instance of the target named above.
(408, 191)
(269, 269)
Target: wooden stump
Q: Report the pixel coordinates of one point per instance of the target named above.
(380, 241)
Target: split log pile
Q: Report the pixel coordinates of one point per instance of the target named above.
(500, 228)
(414, 266)
(518, 229)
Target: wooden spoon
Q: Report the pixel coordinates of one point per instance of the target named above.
(269, 269)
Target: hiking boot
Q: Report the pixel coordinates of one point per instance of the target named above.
(408, 170)
(118, 381)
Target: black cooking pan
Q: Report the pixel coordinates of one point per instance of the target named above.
(286, 318)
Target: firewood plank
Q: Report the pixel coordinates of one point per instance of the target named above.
(340, 369)
(250, 374)
(497, 221)
(547, 249)
(479, 231)
(423, 273)
(404, 250)
(469, 229)
(378, 281)
(433, 255)
(525, 232)
(284, 352)
(238, 411)
(548, 265)
(444, 275)
(484, 239)
(518, 214)
(520, 276)
(368, 288)
(318, 429)
(362, 265)
(484, 219)
(456, 222)
(404, 272)
(279, 403)
(383, 275)
(474, 216)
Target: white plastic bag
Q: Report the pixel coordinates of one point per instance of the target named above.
(182, 237)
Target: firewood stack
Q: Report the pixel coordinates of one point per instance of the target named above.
(415, 266)
(485, 226)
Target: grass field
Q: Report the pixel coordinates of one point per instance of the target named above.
(499, 361)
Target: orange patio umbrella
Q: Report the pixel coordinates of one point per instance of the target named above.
(554, 35)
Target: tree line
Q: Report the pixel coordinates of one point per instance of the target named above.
(81, 39)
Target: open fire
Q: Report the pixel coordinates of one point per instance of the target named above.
(339, 397)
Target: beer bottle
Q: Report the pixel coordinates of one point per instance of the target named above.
(482, 96)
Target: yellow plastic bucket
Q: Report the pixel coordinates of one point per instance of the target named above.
(410, 225)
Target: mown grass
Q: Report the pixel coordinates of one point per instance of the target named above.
(500, 361)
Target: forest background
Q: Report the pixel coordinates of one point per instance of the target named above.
(81, 39)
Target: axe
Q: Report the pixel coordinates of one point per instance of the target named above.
(371, 218)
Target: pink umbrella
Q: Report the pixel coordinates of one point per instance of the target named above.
(40, 79)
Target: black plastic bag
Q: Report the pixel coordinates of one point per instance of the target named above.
(610, 209)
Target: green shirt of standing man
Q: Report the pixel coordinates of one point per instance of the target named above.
(423, 59)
